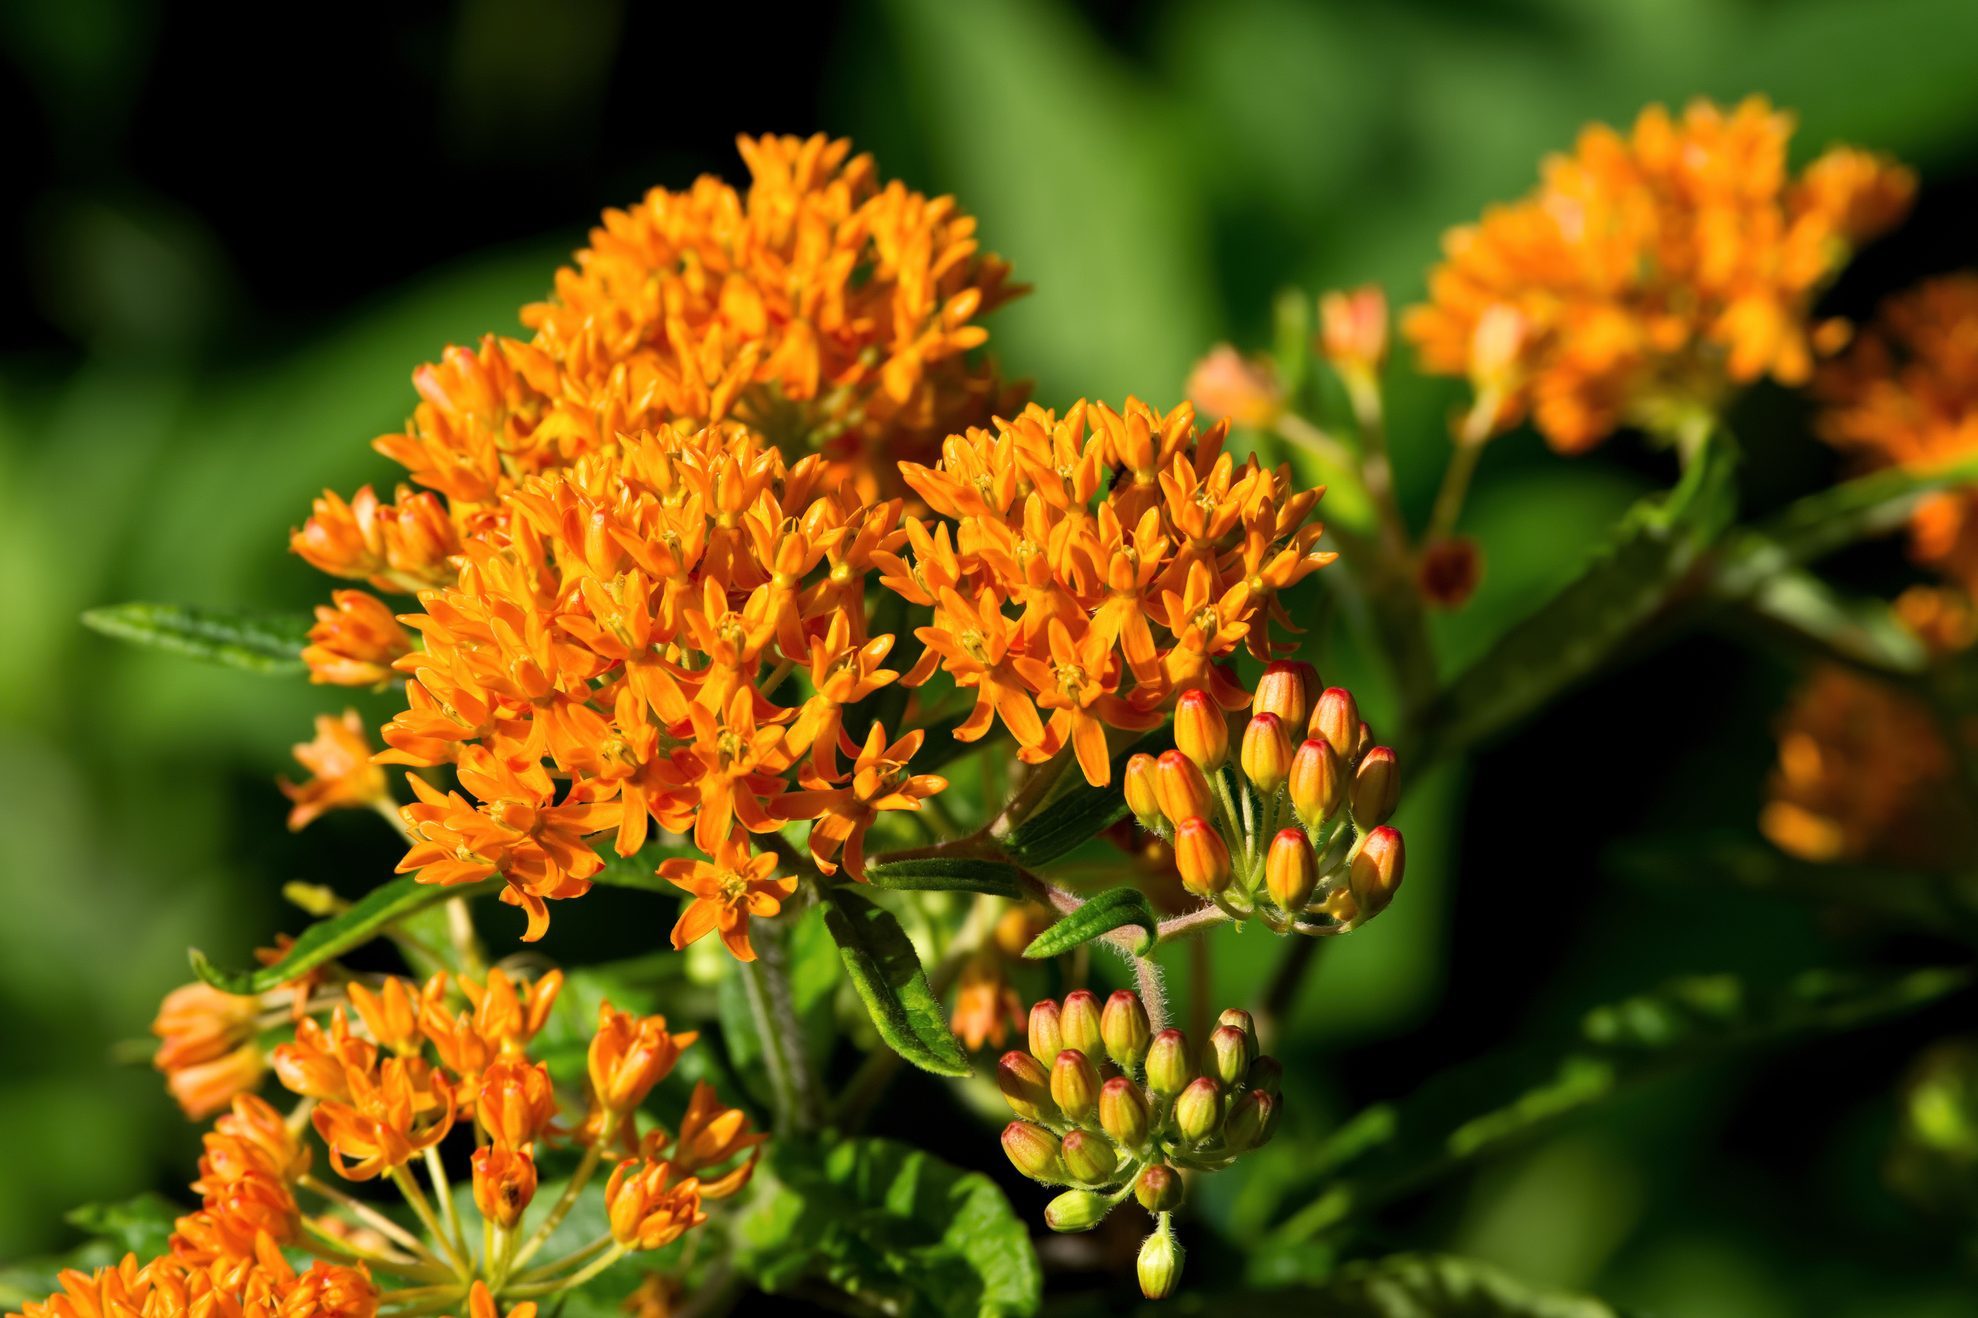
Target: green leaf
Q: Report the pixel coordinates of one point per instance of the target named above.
(1470, 1112)
(1830, 520)
(141, 1226)
(1075, 815)
(258, 642)
(944, 874)
(1643, 570)
(366, 919)
(1441, 1286)
(1115, 908)
(1861, 633)
(886, 972)
(891, 1226)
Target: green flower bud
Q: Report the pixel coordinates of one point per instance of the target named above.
(1199, 1110)
(1076, 1210)
(1267, 1074)
(1079, 1023)
(1238, 1019)
(1228, 1055)
(1158, 1188)
(1089, 1157)
(1252, 1120)
(1124, 1112)
(1047, 1038)
(1169, 1067)
(1033, 1151)
(1159, 1264)
(1075, 1085)
(1125, 1029)
(1026, 1086)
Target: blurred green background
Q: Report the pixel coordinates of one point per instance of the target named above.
(227, 247)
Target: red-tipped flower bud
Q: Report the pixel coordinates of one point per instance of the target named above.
(1183, 791)
(1076, 1210)
(1047, 1038)
(1200, 730)
(1266, 754)
(1199, 1109)
(1125, 1029)
(1376, 787)
(1142, 793)
(1026, 1085)
(1089, 1157)
(1285, 691)
(1252, 1120)
(1169, 1067)
(1158, 1266)
(1228, 1055)
(1376, 870)
(1158, 1188)
(1318, 782)
(1336, 721)
(1033, 1151)
(1238, 1019)
(1075, 1085)
(1078, 1022)
(1291, 870)
(1202, 857)
(1124, 1112)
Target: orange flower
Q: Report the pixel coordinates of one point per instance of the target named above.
(1648, 274)
(629, 1055)
(1245, 392)
(400, 547)
(260, 1282)
(646, 1212)
(317, 1063)
(507, 1016)
(987, 1005)
(879, 781)
(711, 1135)
(480, 1304)
(341, 775)
(208, 1047)
(504, 1182)
(355, 641)
(1906, 394)
(391, 1014)
(727, 891)
(517, 1102)
(392, 1114)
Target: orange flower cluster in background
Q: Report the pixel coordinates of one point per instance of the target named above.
(1651, 271)
(825, 310)
(1137, 554)
(165, 1287)
(1906, 395)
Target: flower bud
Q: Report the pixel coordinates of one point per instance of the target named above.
(1285, 692)
(629, 1055)
(1125, 1029)
(1336, 721)
(646, 1208)
(1448, 572)
(1033, 1151)
(1266, 754)
(1199, 1110)
(1239, 1019)
(515, 1102)
(1078, 1022)
(1169, 1067)
(1243, 390)
(1158, 1188)
(1252, 1120)
(1353, 328)
(1227, 1055)
(1200, 730)
(1318, 782)
(504, 1183)
(1075, 1085)
(1291, 870)
(1124, 1112)
(1076, 1210)
(1089, 1157)
(1376, 870)
(1159, 1264)
(1142, 796)
(1267, 1074)
(1202, 857)
(1182, 790)
(1026, 1085)
(1376, 787)
(1047, 1038)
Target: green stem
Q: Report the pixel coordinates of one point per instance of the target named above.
(370, 1217)
(616, 1252)
(561, 1209)
(766, 985)
(423, 1210)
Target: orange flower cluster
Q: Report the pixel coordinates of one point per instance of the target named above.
(209, 1042)
(827, 311)
(1136, 553)
(633, 634)
(341, 775)
(1906, 395)
(264, 1286)
(1649, 272)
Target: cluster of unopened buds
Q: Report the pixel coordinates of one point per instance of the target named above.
(1111, 1109)
(1294, 834)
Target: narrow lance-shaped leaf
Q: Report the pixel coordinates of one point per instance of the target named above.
(366, 918)
(1802, 608)
(886, 972)
(268, 643)
(1075, 815)
(996, 878)
(1642, 571)
(1469, 1112)
(1115, 908)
